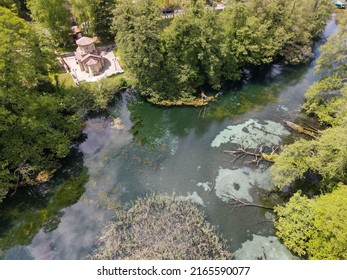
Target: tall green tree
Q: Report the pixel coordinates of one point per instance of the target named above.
(103, 18)
(137, 28)
(193, 42)
(37, 128)
(326, 100)
(82, 11)
(326, 157)
(54, 16)
(315, 228)
(23, 57)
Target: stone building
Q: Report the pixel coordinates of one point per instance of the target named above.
(88, 57)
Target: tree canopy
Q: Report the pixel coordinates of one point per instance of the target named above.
(315, 228)
(172, 58)
(53, 15)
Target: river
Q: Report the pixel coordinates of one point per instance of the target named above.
(145, 148)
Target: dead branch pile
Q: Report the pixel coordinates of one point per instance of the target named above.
(257, 155)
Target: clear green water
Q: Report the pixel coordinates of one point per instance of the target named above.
(156, 149)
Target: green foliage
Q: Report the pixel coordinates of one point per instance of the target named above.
(326, 100)
(249, 38)
(192, 46)
(173, 228)
(53, 15)
(294, 223)
(315, 228)
(171, 59)
(10, 4)
(329, 241)
(40, 121)
(34, 133)
(326, 156)
(23, 60)
(82, 11)
(332, 61)
(138, 36)
(94, 96)
(103, 16)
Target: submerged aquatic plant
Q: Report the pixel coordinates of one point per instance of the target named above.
(30, 220)
(160, 227)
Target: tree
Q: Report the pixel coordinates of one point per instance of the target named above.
(332, 61)
(103, 17)
(36, 129)
(201, 46)
(294, 223)
(326, 100)
(54, 16)
(315, 228)
(83, 13)
(248, 38)
(192, 41)
(291, 26)
(35, 134)
(326, 157)
(10, 4)
(23, 59)
(137, 29)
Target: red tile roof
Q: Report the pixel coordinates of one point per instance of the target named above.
(85, 41)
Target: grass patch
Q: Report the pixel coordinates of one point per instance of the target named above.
(64, 80)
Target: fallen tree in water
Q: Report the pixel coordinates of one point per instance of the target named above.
(160, 227)
(196, 102)
(257, 155)
(309, 131)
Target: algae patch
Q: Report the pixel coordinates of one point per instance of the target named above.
(207, 186)
(263, 248)
(252, 134)
(239, 183)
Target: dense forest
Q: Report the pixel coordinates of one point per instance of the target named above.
(170, 60)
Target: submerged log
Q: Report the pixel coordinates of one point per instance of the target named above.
(196, 102)
(309, 131)
(240, 203)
